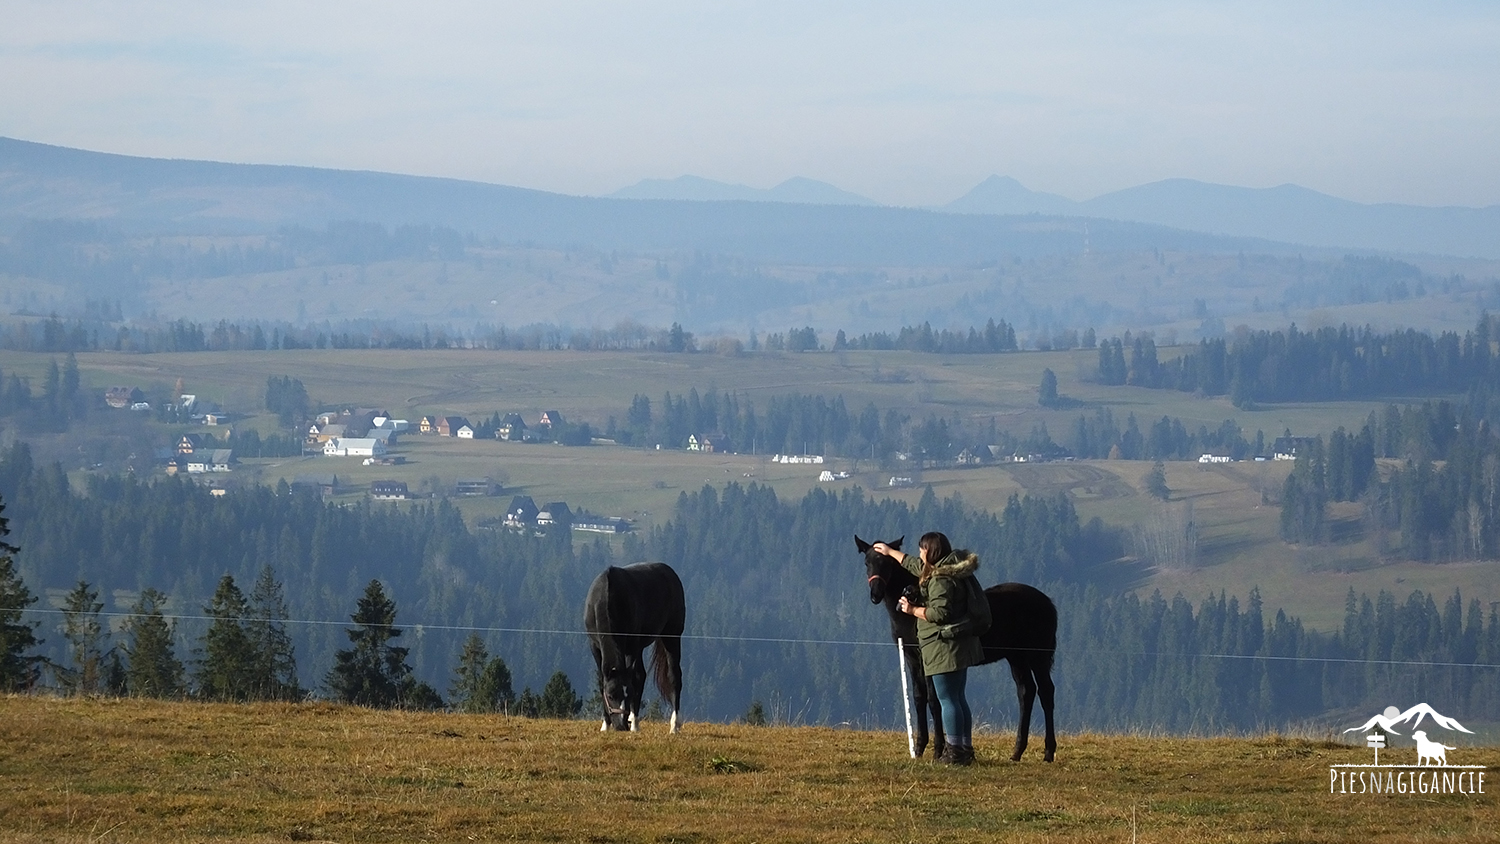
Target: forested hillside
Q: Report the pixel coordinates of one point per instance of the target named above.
(777, 605)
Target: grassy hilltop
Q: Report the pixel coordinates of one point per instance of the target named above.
(134, 770)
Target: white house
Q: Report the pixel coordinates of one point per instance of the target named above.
(1215, 458)
(355, 447)
(465, 432)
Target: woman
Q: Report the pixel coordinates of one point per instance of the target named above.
(952, 615)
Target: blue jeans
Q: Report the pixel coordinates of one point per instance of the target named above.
(958, 721)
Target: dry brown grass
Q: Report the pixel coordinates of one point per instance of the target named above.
(132, 770)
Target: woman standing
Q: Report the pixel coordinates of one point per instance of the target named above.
(952, 615)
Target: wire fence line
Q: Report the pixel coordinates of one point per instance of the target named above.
(773, 640)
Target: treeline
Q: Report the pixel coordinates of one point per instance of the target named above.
(1293, 365)
(151, 336)
(777, 606)
(1441, 499)
(992, 339)
(59, 403)
(1133, 663)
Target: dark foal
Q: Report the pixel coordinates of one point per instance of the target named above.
(1023, 632)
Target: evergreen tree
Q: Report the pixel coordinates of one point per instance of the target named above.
(18, 670)
(1047, 391)
(480, 683)
(1156, 482)
(528, 705)
(226, 670)
(418, 695)
(371, 673)
(558, 698)
(84, 631)
(152, 668)
(273, 667)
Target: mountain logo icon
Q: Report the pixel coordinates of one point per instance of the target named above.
(1392, 716)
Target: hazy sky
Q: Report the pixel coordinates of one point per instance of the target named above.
(907, 103)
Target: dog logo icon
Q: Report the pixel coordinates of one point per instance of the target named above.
(1430, 751)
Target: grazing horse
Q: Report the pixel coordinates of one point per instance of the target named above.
(1023, 631)
(627, 609)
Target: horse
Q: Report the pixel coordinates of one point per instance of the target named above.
(1023, 631)
(627, 609)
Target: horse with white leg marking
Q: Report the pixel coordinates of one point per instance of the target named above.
(627, 609)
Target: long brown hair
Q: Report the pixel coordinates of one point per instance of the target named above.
(937, 547)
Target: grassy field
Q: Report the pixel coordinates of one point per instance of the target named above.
(135, 770)
(1239, 548)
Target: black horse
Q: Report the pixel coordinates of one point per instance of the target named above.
(627, 609)
(1023, 631)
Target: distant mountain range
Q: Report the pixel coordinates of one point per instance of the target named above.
(799, 220)
(40, 181)
(798, 189)
(1286, 213)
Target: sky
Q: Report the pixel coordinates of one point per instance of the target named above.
(906, 103)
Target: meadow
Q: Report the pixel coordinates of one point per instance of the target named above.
(103, 770)
(1238, 549)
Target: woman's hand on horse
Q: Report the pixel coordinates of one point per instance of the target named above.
(882, 548)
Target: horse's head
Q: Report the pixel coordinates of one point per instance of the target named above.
(877, 567)
(616, 691)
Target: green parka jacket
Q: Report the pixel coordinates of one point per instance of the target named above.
(957, 613)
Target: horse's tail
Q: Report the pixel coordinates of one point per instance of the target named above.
(661, 670)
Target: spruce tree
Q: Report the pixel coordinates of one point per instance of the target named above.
(371, 673)
(18, 671)
(1047, 390)
(558, 698)
(152, 669)
(86, 636)
(226, 670)
(273, 668)
(480, 683)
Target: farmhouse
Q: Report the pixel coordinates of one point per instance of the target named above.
(1287, 448)
(389, 491)
(512, 428)
(551, 419)
(385, 435)
(554, 513)
(447, 426)
(354, 447)
(465, 432)
(189, 443)
(599, 524)
(322, 484)
(210, 460)
(474, 487)
(521, 513)
(707, 443)
(123, 397)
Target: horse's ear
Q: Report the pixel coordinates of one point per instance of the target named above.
(863, 546)
(897, 543)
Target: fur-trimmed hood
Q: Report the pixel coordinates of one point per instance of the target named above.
(960, 563)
